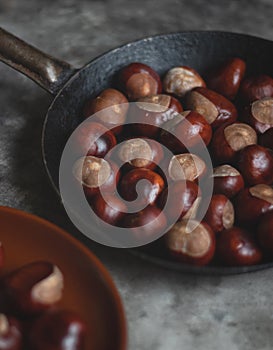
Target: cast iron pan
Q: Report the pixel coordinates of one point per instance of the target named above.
(71, 88)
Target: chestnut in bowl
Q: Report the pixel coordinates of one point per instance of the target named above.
(229, 139)
(236, 247)
(256, 87)
(259, 114)
(191, 242)
(216, 109)
(227, 181)
(256, 165)
(265, 232)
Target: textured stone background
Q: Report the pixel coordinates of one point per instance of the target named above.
(165, 310)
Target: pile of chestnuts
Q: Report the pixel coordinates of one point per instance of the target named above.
(30, 318)
(231, 113)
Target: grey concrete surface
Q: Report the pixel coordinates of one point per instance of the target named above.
(165, 310)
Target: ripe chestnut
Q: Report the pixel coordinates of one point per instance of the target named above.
(255, 88)
(186, 166)
(226, 78)
(256, 165)
(229, 139)
(180, 80)
(216, 109)
(260, 114)
(252, 202)
(266, 139)
(138, 80)
(10, 333)
(220, 213)
(265, 232)
(110, 107)
(142, 186)
(148, 222)
(34, 287)
(191, 242)
(185, 131)
(94, 139)
(227, 181)
(139, 153)
(153, 111)
(96, 174)
(184, 200)
(109, 208)
(236, 247)
(58, 330)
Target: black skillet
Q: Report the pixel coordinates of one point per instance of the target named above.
(71, 88)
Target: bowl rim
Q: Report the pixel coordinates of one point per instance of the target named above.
(95, 261)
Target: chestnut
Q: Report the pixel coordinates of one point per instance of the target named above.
(229, 139)
(154, 110)
(220, 213)
(110, 108)
(266, 139)
(138, 80)
(227, 181)
(96, 174)
(255, 88)
(216, 109)
(58, 330)
(191, 242)
(10, 333)
(148, 222)
(256, 165)
(34, 287)
(94, 139)
(180, 80)
(139, 153)
(260, 114)
(265, 232)
(109, 207)
(226, 78)
(252, 202)
(185, 131)
(236, 247)
(184, 199)
(142, 186)
(186, 166)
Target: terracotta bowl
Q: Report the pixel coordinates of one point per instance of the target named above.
(89, 289)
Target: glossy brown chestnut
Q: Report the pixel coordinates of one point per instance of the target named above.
(255, 88)
(256, 165)
(93, 139)
(186, 166)
(183, 200)
(153, 111)
(266, 139)
(34, 287)
(265, 232)
(142, 186)
(108, 108)
(260, 114)
(109, 207)
(216, 109)
(180, 80)
(236, 247)
(220, 213)
(227, 181)
(191, 242)
(226, 79)
(58, 330)
(10, 333)
(138, 80)
(252, 202)
(148, 222)
(96, 175)
(229, 139)
(139, 153)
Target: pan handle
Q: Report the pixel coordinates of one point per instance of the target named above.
(50, 73)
